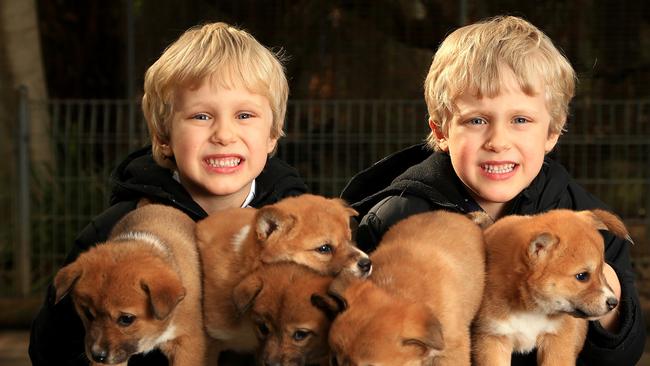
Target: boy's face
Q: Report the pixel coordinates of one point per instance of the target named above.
(220, 139)
(497, 145)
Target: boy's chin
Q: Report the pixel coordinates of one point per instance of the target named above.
(491, 201)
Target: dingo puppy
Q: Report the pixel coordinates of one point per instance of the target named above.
(544, 277)
(310, 230)
(290, 330)
(140, 290)
(418, 304)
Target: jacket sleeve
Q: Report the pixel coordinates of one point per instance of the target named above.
(57, 334)
(624, 347)
(383, 215)
(602, 347)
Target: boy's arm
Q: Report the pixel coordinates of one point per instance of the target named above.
(624, 346)
(383, 215)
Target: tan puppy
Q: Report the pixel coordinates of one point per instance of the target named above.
(291, 330)
(140, 290)
(424, 291)
(544, 272)
(310, 230)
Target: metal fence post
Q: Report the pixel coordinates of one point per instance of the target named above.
(23, 249)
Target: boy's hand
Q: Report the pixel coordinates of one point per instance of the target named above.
(610, 321)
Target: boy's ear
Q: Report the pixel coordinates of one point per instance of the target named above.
(440, 136)
(271, 144)
(165, 148)
(551, 141)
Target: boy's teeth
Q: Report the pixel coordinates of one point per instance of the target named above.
(499, 169)
(224, 163)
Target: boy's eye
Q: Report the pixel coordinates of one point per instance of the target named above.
(476, 121)
(244, 115)
(201, 116)
(520, 120)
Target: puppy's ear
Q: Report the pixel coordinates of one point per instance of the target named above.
(431, 341)
(328, 304)
(604, 220)
(65, 279)
(349, 210)
(144, 201)
(165, 291)
(481, 218)
(541, 245)
(338, 287)
(271, 220)
(245, 292)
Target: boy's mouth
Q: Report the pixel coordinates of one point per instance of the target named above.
(229, 162)
(498, 168)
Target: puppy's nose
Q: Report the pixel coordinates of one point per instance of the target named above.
(99, 356)
(611, 303)
(365, 265)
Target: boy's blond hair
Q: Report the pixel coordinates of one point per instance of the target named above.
(470, 59)
(222, 53)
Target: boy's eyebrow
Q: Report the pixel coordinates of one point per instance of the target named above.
(476, 111)
(247, 103)
(468, 112)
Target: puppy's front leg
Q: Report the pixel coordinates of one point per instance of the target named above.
(186, 351)
(456, 352)
(491, 350)
(562, 348)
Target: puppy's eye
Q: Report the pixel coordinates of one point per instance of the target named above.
(325, 249)
(263, 329)
(125, 320)
(300, 335)
(582, 276)
(88, 314)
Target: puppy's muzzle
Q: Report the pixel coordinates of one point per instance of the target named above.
(611, 303)
(99, 355)
(365, 266)
(103, 354)
(591, 314)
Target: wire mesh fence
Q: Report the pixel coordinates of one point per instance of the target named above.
(606, 148)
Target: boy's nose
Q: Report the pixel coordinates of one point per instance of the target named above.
(223, 133)
(497, 141)
(496, 146)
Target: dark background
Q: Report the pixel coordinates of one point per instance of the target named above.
(337, 49)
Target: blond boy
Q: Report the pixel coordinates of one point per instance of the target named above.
(214, 102)
(498, 93)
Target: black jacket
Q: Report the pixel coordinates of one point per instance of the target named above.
(415, 180)
(57, 332)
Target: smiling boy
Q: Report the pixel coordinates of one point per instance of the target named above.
(214, 103)
(498, 93)
(497, 143)
(219, 131)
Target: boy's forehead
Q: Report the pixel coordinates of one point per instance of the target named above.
(507, 81)
(219, 81)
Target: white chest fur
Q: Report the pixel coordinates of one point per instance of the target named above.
(524, 328)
